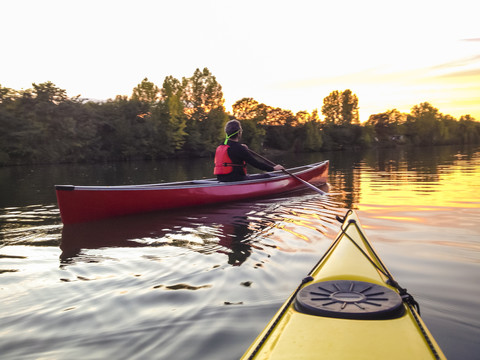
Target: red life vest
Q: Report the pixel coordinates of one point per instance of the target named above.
(223, 163)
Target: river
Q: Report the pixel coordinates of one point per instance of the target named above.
(202, 283)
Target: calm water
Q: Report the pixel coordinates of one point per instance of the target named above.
(202, 283)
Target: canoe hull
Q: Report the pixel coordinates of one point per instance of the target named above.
(294, 334)
(83, 203)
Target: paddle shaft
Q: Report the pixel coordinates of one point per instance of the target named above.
(289, 173)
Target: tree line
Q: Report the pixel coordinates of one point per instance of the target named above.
(186, 118)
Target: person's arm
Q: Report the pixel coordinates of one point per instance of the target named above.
(249, 159)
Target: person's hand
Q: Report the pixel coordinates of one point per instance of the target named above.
(278, 167)
(246, 147)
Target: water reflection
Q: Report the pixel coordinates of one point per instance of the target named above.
(236, 239)
(443, 176)
(174, 272)
(235, 229)
(28, 226)
(226, 229)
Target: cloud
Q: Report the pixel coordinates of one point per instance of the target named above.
(472, 39)
(463, 73)
(458, 70)
(458, 62)
(462, 70)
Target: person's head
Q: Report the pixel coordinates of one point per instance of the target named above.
(233, 130)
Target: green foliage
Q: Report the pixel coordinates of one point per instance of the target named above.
(203, 102)
(424, 126)
(340, 108)
(249, 109)
(309, 137)
(338, 137)
(187, 117)
(201, 92)
(349, 108)
(469, 130)
(146, 92)
(280, 137)
(332, 108)
(251, 114)
(170, 118)
(387, 126)
(253, 134)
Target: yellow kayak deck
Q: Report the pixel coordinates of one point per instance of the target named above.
(347, 308)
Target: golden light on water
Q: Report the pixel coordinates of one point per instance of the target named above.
(400, 218)
(458, 184)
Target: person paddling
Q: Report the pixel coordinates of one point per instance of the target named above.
(232, 157)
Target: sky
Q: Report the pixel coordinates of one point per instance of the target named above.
(287, 54)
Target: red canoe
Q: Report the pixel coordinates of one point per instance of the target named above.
(88, 203)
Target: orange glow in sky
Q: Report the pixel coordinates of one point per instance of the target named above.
(282, 53)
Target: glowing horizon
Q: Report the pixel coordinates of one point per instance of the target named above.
(282, 54)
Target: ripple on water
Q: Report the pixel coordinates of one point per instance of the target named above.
(144, 280)
(36, 225)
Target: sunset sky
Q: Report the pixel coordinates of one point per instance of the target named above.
(288, 54)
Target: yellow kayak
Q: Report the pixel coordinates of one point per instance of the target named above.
(349, 307)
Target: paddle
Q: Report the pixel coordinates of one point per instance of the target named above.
(289, 173)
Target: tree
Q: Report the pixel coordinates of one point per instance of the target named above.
(469, 130)
(177, 120)
(332, 108)
(387, 124)
(49, 120)
(48, 92)
(447, 126)
(171, 87)
(203, 101)
(7, 96)
(349, 108)
(249, 109)
(279, 117)
(467, 118)
(422, 124)
(121, 131)
(169, 118)
(44, 125)
(8, 99)
(202, 92)
(309, 136)
(146, 92)
(302, 117)
(251, 114)
(341, 108)
(253, 134)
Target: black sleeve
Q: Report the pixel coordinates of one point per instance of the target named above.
(246, 156)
